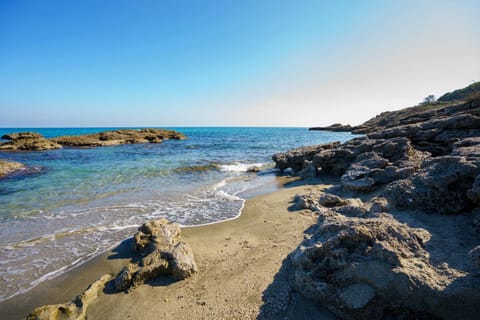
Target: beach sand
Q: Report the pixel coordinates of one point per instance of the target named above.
(242, 274)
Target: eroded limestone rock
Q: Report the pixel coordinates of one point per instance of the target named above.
(158, 242)
(72, 310)
(364, 268)
(27, 141)
(440, 186)
(116, 137)
(32, 141)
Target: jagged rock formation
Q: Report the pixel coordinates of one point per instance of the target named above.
(72, 310)
(295, 158)
(7, 167)
(362, 260)
(431, 164)
(158, 242)
(444, 107)
(362, 263)
(32, 141)
(24, 141)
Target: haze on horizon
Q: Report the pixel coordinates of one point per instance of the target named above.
(229, 63)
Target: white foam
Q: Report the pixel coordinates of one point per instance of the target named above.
(240, 167)
(221, 184)
(231, 197)
(212, 204)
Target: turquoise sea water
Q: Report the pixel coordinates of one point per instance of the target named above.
(72, 204)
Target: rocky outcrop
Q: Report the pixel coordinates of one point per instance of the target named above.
(72, 310)
(32, 141)
(336, 127)
(429, 164)
(362, 263)
(446, 106)
(475, 254)
(27, 141)
(375, 258)
(474, 193)
(295, 158)
(163, 253)
(7, 167)
(444, 185)
(116, 137)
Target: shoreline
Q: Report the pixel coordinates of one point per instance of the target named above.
(268, 187)
(209, 242)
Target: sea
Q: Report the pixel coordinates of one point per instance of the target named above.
(72, 204)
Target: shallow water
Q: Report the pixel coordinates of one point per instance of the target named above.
(72, 204)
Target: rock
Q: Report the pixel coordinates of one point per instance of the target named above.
(124, 280)
(352, 210)
(379, 204)
(27, 141)
(334, 160)
(364, 268)
(308, 170)
(158, 242)
(357, 179)
(182, 264)
(73, 310)
(32, 141)
(331, 200)
(336, 127)
(398, 148)
(319, 202)
(253, 170)
(22, 135)
(156, 234)
(474, 193)
(362, 263)
(475, 254)
(116, 137)
(307, 201)
(295, 158)
(7, 167)
(371, 160)
(476, 220)
(152, 266)
(440, 186)
(357, 295)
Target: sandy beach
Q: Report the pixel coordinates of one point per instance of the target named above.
(241, 272)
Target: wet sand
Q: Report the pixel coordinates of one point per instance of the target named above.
(242, 272)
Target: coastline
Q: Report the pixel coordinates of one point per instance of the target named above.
(240, 264)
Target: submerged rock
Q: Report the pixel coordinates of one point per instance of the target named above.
(72, 310)
(158, 242)
(7, 167)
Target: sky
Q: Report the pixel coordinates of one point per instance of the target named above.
(229, 63)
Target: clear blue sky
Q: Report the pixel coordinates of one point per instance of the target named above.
(223, 63)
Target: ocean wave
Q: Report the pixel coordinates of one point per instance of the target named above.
(90, 231)
(242, 167)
